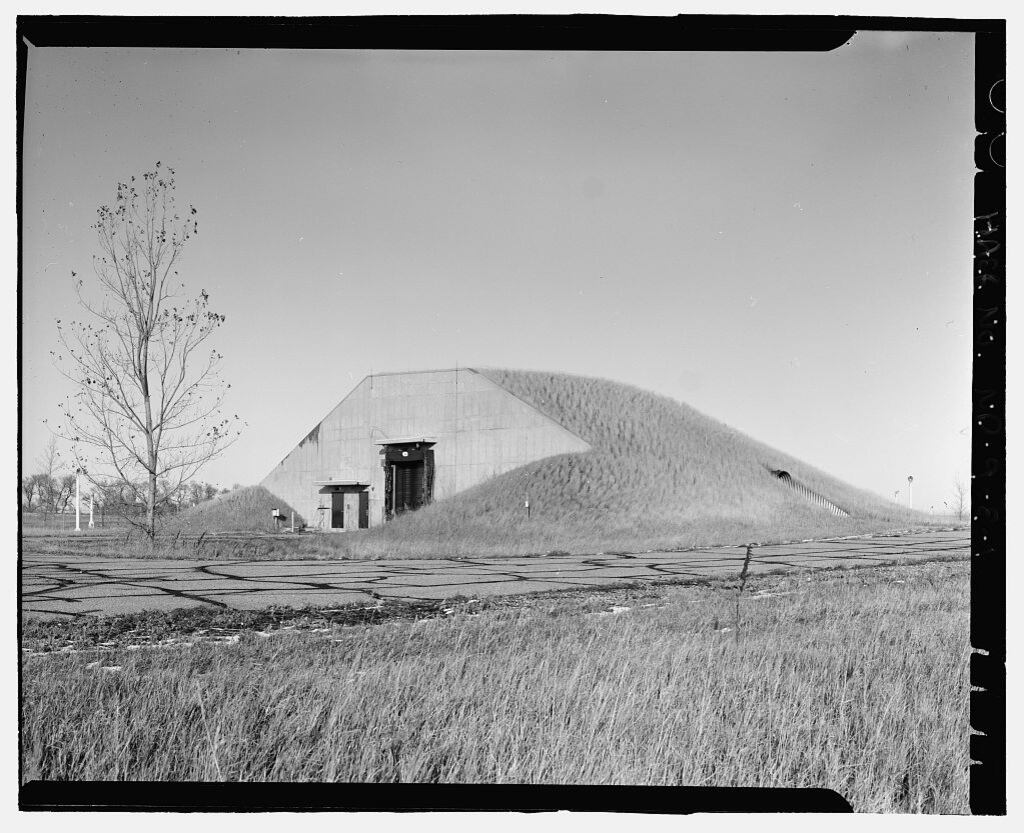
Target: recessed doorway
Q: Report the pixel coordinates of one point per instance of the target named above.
(408, 476)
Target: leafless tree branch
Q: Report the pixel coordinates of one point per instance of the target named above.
(146, 415)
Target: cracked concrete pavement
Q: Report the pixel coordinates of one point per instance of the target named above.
(88, 585)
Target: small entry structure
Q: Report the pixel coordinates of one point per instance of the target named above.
(344, 505)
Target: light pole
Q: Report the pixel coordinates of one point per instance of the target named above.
(910, 491)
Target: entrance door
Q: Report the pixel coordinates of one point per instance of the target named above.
(408, 476)
(408, 488)
(337, 510)
(364, 510)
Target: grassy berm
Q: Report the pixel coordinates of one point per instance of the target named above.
(853, 680)
(248, 509)
(660, 475)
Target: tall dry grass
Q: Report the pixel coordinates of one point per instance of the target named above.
(856, 681)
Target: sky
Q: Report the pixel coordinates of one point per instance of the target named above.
(781, 240)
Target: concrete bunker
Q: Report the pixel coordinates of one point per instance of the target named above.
(343, 505)
(400, 441)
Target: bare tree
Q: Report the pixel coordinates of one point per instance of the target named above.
(63, 491)
(146, 415)
(197, 492)
(49, 468)
(30, 487)
(961, 498)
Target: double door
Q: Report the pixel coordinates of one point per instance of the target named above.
(407, 486)
(352, 505)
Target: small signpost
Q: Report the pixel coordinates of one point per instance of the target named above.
(276, 513)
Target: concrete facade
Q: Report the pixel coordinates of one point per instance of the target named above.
(474, 428)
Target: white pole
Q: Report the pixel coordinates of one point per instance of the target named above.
(78, 502)
(910, 491)
(92, 500)
(293, 520)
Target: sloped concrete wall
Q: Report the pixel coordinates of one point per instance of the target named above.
(480, 429)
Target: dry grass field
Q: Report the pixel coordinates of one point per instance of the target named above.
(853, 680)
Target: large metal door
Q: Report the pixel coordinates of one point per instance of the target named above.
(408, 488)
(408, 476)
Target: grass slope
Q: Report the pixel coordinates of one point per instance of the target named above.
(851, 680)
(660, 475)
(242, 510)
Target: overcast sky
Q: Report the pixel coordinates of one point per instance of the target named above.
(781, 240)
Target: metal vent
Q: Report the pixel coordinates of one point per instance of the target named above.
(812, 496)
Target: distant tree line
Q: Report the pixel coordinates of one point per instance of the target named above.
(42, 493)
(51, 490)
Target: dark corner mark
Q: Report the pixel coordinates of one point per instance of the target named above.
(404, 798)
(988, 432)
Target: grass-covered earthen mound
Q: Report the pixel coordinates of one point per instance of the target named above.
(243, 510)
(659, 475)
